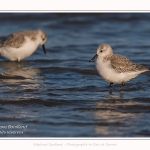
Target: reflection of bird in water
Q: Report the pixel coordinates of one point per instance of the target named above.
(111, 120)
(115, 96)
(19, 81)
(7, 65)
(16, 72)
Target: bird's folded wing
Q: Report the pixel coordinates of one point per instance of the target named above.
(122, 64)
(14, 40)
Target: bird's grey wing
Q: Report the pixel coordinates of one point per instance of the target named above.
(122, 64)
(14, 40)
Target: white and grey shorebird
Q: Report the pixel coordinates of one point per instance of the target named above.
(115, 68)
(22, 44)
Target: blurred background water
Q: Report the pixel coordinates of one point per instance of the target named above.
(60, 94)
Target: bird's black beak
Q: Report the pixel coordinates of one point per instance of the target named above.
(94, 58)
(44, 48)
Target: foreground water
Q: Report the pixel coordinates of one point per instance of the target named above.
(60, 94)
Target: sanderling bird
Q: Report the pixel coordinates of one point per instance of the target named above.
(22, 44)
(115, 68)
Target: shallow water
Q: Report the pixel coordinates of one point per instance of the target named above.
(60, 94)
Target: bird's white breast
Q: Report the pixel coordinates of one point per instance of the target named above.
(109, 74)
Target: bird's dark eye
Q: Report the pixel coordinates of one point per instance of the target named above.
(101, 51)
(43, 38)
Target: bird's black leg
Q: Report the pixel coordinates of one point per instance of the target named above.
(110, 86)
(123, 84)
